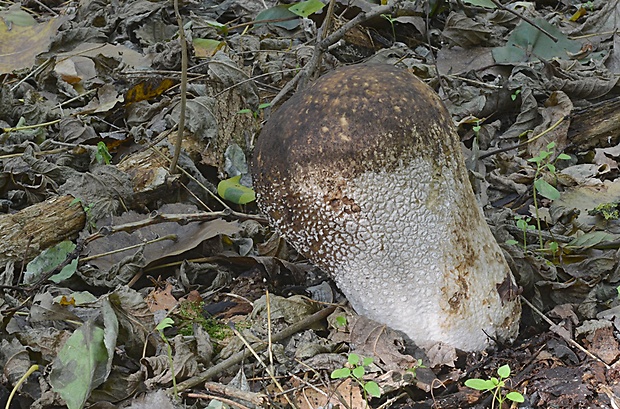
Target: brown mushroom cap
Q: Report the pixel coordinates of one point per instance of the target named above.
(363, 173)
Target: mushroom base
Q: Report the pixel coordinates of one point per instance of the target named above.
(422, 259)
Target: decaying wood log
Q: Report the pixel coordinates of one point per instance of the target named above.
(31, 230)
(597, 126)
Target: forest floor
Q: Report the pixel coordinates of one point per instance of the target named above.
(123, 284)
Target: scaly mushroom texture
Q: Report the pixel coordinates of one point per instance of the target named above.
(363, 173)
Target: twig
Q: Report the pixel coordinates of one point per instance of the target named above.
(323, 45)
(526, 19)
(229, 402)
(183, 104)
(269, 369)
(520, 145)
(21, 128)
(257, 399)
(172, 237)
(177, 218)
(186, 173)
(558, 330)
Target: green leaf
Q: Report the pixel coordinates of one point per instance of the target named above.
(305, 8)
(80, 365)
(353, 359)
(367, 361)
(341, 320)
(554, 246)
(593, 238)
(515, 397)
(207, 47)
(522, 224)
(551, 167)
(563, 156)
(103, 155)
(340, 373)
(50, 259)
(480, 384)
(546, 190)
(233, 191)
(511, 242)
(481, 3)
(527, 43)
(264, 105)
(66, 272)
(163, 324)
(358, 372)
(17, 16)
(280, 12)
(535, 159)
(372, 389)
(503, 371)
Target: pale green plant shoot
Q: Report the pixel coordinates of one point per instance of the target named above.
(167, 323)
(416, 365)
(523, 223)
(545, 163)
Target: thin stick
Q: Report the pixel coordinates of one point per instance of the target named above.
(323, 45)
(183, 104)
(527, 20)
(557, 329)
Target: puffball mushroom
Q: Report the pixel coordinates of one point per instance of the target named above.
(363, 174)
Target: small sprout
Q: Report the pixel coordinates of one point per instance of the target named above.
(415, 367)
(355, 370)
(554, 247)
(163, 324)
(256, 113)
(341, 321)
(523, 225)
(544, 162)
(103, 155)
(496, 386)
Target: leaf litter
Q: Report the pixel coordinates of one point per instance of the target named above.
(142, 245)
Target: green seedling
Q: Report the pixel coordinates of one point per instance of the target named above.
(355, 370)
(391, 20)
(255, 114)
(341, 321)
(523, 223)
(545, 164)
(554, 247)
(415, 367)
(476, 128)
(167, 323)
(496, 386)
(515, 94)
(103, 155)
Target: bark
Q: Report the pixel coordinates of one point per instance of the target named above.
(31, 230)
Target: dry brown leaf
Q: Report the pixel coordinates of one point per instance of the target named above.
(19, 45)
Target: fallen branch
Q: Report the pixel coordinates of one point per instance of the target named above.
(240, 356)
